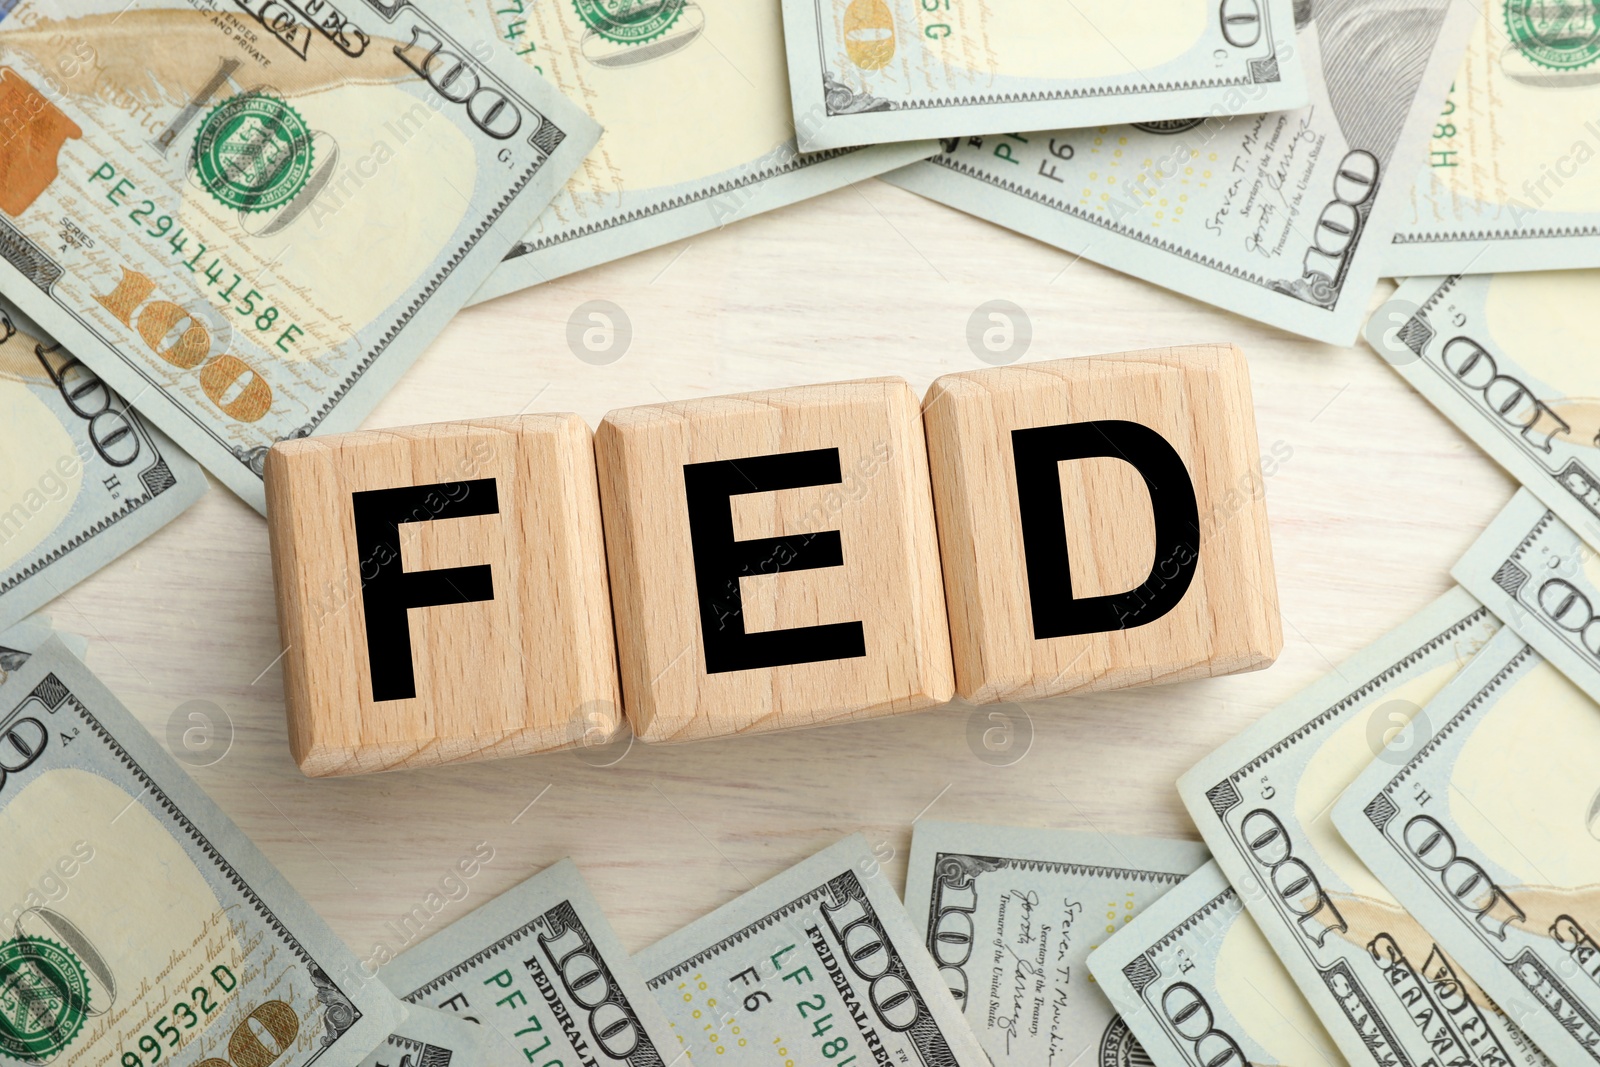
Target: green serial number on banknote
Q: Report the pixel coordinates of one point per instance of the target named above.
(134, 291)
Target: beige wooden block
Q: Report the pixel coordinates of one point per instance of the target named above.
(442, 593)
(1133, 571)
(807, 590)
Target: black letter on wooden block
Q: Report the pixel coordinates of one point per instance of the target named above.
(720, 561)
(1038, 452)
(392, 590)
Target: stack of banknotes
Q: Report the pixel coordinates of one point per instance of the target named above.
(192, 195)
(1397, 864)
(1398, 867)
(145, 929)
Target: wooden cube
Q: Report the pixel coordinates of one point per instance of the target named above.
(441, 593)
(1102, 523)
(774, 560)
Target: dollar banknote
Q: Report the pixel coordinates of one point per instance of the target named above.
(195, 199)
(863, 71)
(1508, 183)
(431, 1038)
(818, 967)
(83, 476)
(1011, 914)
(1503, 357)
(1484, 825)
(1283, 217)
(1197, 984)
(694, 103)
(1543, 581)
(1384, 990)
(22, 640)
(540, 970)
(140, 926)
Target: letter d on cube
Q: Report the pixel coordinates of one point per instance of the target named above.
(1090, 524)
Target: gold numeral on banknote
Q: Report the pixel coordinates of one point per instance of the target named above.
(229, 382)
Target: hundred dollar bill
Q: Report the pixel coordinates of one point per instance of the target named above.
(1504, 358)
(818, 967)
(138, 926)
(22, 640)
(1543, 581)
(19, 642)
(1010, 916)
(1283, 217)
(1508, 183)
(249, 220)
(1197, 984)
(83, 477)
(862, 71)
(539, 968)
(1484, 827)
(698, 133)
(431, 1038)
(1385, 992)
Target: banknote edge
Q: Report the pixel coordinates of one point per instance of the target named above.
(46, 685)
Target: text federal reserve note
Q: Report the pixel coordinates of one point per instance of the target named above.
(1484, 825)
(1543, 581)
(1506, 358)
(1508, 184)
(539, 968)
(1386, 993)
(1198, 985)
(138, 925)
(1284, 217)
(249, 220)
(83, 477)
(430, 1038)
(818, 967)
(698, 133)
(864, 71)
(1010, 915)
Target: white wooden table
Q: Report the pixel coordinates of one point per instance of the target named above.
(1378, 499)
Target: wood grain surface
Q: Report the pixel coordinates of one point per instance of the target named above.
(885, 594)
(1377, 497)
(1180, 594)
(527, 665)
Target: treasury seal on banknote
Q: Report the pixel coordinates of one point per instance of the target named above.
(253, 152)
(630, 21)
(1561, 34)
(49, 998)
